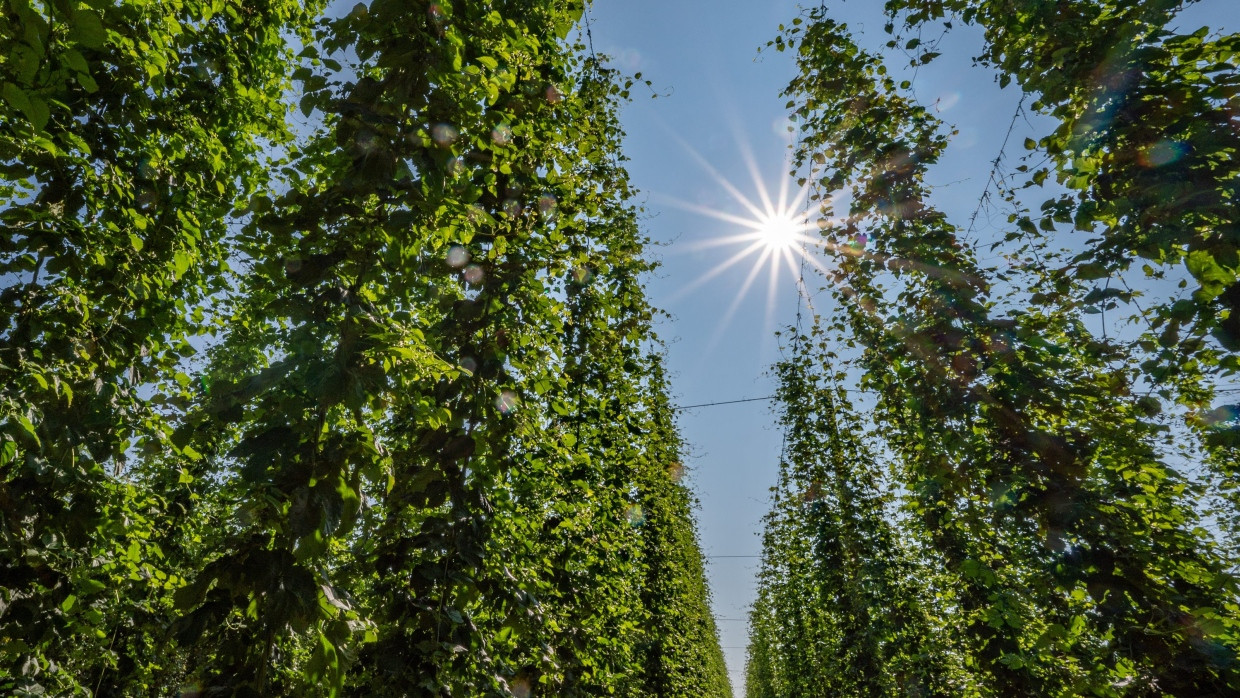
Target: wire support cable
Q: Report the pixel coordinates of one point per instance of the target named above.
(724, 402)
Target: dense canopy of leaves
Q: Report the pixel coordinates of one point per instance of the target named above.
(368, 406)
(1051, 492)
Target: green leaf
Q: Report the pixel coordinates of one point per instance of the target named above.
(87, 29)
(87, 82)
(324, 664)
(1090, 271)
(191, 594)
(28, 429)
(32, 106)
(1212, 277)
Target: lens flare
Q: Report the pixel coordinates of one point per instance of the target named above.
(777, 227)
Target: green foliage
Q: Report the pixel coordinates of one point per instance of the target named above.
(843, 607)
(428, 451)
(126, 132)
(1146, 142)
(1074, 558)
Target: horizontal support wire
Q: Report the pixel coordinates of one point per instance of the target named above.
(725, 402)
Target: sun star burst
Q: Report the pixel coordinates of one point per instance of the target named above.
(775, 232)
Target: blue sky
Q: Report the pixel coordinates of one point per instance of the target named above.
(718, 99)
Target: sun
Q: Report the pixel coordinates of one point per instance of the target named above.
(781, 231)
(774, 231)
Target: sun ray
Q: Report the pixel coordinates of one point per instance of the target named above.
(803, 289)
(783, 195)
(740, 296)
(781, 230)
(719, 242)
(775, 228)
(818, 265)
(707, 211)
(790, 257)
(731, 262)
(776, 262)
(768, 323)
(799, 201)
(752, 165)
(718, 177)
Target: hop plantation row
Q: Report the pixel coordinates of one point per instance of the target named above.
(1031, 507)
(327, 366)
